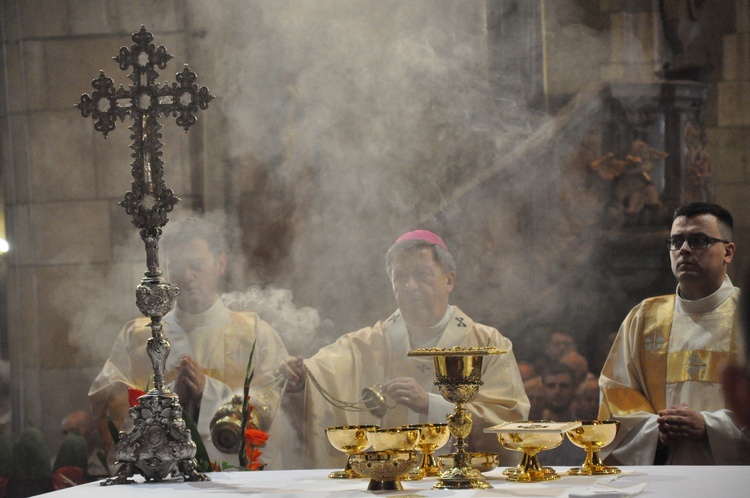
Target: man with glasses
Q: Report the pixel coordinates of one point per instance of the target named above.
(662, 378)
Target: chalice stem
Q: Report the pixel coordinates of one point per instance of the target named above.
(533, 463)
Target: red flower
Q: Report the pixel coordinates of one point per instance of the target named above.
(253, 454)
(133, 395)
(255, 437)
(67, 477)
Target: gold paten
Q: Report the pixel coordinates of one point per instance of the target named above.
(458, 374)
(592, 436)
(350, 439)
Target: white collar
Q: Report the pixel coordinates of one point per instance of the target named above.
(708, 303)
(190, 321)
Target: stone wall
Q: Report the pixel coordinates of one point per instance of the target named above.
(76, 258)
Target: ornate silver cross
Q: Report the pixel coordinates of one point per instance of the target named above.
(159, 443)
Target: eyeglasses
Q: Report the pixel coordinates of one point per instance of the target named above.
(696, 241)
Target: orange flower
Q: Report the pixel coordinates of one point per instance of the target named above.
(255, 437)
(133, 395)
(253, 454)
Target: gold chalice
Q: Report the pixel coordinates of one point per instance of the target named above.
(531, 438)
(394, 439)
(384, 468)
(593, 435)
(458, 373)
(350, 439)
(431, 438)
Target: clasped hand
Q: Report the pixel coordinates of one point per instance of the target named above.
(679, 423)
(190, 381)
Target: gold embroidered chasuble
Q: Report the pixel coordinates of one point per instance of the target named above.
(374, 355)
(668, 352)
(220, 340)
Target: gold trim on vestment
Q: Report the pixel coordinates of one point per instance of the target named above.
(696, 365)
(653, 349)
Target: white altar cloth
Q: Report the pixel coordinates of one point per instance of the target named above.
(660, 481)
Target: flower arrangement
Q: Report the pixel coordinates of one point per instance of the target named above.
(252, 436)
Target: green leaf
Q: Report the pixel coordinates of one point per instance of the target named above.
(201, 455)
(245, 412)
(112, 429)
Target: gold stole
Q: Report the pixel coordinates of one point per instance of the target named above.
(654, 349)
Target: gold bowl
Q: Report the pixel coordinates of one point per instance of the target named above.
(593, 435)
(482, 461)
(531, 437)
(350, 439)
(431, 438)
(384, 468)
(395, 439)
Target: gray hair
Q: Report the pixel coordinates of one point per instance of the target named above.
(440, 254)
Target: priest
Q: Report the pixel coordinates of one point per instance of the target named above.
(422, 274)
(211, 345)
(662, 378)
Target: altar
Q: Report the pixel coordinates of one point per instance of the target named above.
(647, 481)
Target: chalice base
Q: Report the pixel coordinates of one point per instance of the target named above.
(461, 478)
(531, 471)
(344, 474)
(594, 470)
(593, 466)
(385, 485)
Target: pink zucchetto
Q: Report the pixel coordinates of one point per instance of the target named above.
(425, 235)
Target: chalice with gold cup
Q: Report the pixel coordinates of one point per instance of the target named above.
(458, 373)
(393, 456)
(350, 439)
(432, 437)
(593, 435)
(531, 438)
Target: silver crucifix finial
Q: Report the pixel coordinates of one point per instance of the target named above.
(159, 444)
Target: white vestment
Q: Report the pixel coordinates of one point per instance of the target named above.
(218, 339)
(671, 351)
(375, 355)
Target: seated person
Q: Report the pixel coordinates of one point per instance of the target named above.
(422, 273)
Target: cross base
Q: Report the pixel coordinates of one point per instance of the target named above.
(159, 444)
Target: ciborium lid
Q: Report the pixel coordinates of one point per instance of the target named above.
(535, 426)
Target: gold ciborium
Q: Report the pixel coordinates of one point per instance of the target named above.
(394, 439)
(458, 374)
(530, 438)
(431, 438)
(350, 439)
(593, 435)
(384, 468)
